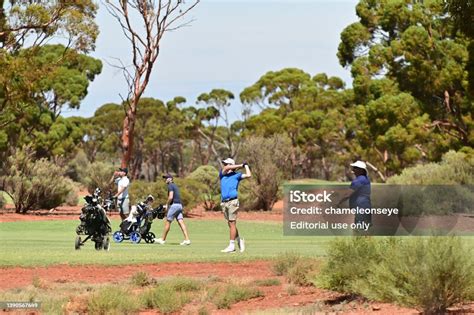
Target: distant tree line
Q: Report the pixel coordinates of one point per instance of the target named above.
(411, 101)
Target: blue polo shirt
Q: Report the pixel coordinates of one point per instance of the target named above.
(229, 184)
(361, 195)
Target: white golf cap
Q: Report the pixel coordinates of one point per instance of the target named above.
(359, 164)
(228, 161)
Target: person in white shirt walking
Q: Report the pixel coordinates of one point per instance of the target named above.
(123, 201)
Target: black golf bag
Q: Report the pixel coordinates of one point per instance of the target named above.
(94, 223)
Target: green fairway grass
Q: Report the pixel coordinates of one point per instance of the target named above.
(42, 243)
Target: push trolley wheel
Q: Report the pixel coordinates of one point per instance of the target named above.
(98, 245)
(118, 237)
(135, 237)
(149, 237)
(78, 242)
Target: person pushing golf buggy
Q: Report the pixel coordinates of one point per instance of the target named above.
(230, 180)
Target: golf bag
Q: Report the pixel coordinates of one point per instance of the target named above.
(109, 202)
(94, 223)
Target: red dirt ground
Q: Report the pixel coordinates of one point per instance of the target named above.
(274, 297)
(17, 277)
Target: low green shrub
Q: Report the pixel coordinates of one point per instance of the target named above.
(35, 184)
(454, 168)
(181, 284)
(76, 169)
(284, 262)
(432, 196)
(225, 297)
(141, 279)
(73, 195)
(431, 273)
(164, 297)
(349, 260)
(112, 300)
(303, 272)
(191, 192)
(140, 189)
(435, 200)
(297, 269)
(247, 198)
(53, 305)
(99, 174)
(268, 159)
(208, 177)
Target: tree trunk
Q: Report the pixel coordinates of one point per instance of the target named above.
(137, 165)
(162, 158)
(127, 134)
(193, 157)
(181, 159)
(326, 169)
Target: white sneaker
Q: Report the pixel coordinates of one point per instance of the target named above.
(241, 244)
(185, 242)
(228, 249)
(160, 241)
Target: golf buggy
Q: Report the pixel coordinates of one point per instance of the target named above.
(95, 224)
(138, 224)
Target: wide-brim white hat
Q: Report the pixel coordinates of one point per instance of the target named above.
(359, 164)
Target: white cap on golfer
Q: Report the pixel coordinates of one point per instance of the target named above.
(359, 164)
(228, 161)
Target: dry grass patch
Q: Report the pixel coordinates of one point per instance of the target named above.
(224, 297)
(112, 300)
(267, 282)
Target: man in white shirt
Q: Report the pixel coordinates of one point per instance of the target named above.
(122, 182)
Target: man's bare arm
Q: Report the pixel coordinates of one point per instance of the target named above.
(227, 168)
(247, 172)
(170, 199)
(113, 178)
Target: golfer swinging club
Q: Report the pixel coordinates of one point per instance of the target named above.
(230, 204)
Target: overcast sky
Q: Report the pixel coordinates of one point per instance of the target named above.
(230, 45)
